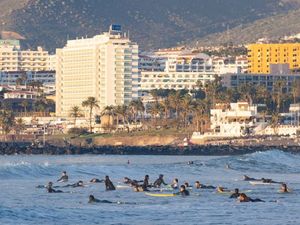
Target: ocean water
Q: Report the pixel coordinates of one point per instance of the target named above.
(22, 203)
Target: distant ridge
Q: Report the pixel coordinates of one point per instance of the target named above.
(152, 23)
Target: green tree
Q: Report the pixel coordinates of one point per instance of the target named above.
(25, 105)
(75, 112)
(155, 111)
(186, 106)
(277, 94)
(91, 103)
(19, 125)
(7, 121)
(122, 111)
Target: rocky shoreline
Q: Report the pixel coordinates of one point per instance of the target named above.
(197, 150)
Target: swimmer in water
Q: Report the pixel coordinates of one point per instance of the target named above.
(183, 191)
(244, 198)
(92, 199)
(108, 184)
(284, 188)
(159, 181)
(236, 193)
(174, 184)
(198, 185)
(51, 190)
(64, 177)
(75, 185)
(95, 180)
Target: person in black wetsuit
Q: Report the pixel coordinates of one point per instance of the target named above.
(159, 181)
(246, 178)
(244, 198)
(284, 188)
(198, 185)
(130, 181)
(75, 185)
(236, 193)
(64, 177)
(146, 184)
(183, 191)
(92, 199)
(95, 180)
(174, 184)
(51, 190)
(108, 184)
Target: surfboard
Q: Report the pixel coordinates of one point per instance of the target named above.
(261, 183)
(123, 187)
(232, 192)
(160, 194)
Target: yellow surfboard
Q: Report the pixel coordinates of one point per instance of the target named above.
(160, 194)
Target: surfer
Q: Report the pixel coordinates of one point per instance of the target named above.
(246, 178)
(75, 185)
(108, 184)
(146, 184)
(187, 185)
(130, 182)
(284, 188)
(222, 190)
(96, 180)
(198, 185)
(174, 184)
(64, 177)
(270, 181)
(92, 199)
(183, 191)
(236, 193)
(51, 190)
(244, 198)
(159, 181)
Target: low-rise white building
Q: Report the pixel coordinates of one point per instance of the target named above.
(174, 71)
(231, 120)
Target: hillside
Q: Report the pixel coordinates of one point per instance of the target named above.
(152, 23)
(272, 27)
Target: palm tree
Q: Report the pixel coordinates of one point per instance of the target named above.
(75, 112)
(121, 110)
(247, 92)
(275, 121)
(19, 125)
(211, 89)
(25, 105)
(200, 114)
(262, 94)
(186, 105)
(7, 121)
(155, 110)
(175, 99)
(90, 103)
(278, 93)
(166, 105)
(295, 90)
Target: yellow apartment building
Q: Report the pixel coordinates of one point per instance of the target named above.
(262, 56)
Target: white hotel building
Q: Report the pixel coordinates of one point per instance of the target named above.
(104, 67)
(12, 58)
(175, 71)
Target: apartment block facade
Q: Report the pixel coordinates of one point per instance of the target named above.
(104, 67)
(13, 58)
(262, 56)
